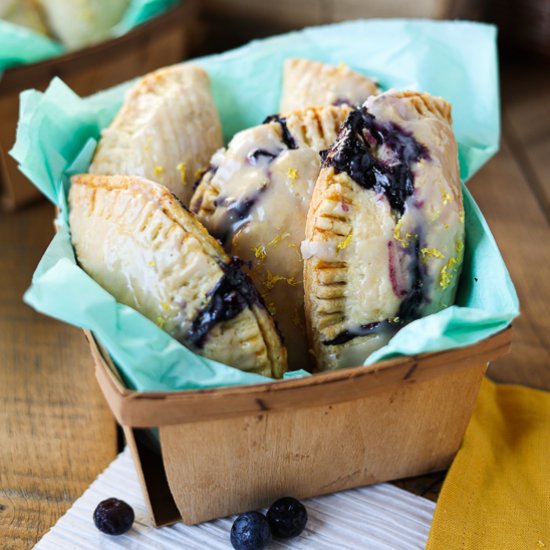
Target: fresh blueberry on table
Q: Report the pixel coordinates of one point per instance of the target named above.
(113, 516)
(250, 531)
(287, 517)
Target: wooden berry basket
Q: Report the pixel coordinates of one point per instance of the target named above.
(163, 40)
(230, 450)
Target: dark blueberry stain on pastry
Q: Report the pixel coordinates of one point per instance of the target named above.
(236, 214)
(409, 310)
(350, 334)
(288, 140)
(233, 293)
(257, 156)
(354, 153)
(178, 200)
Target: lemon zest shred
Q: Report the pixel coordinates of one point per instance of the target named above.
(277, 239)
(292, 173)
(344, 243)
(183, 171)
(404, 241)
(271, 280)
(152, 263)
(160, 321)
(461, 217)
(159, 170)
(447, 273)
(260, 252)
(445, 196)
(431, 253)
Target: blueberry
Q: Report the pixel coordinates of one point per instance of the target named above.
(113, 516)
(287, 517)
(250, 531)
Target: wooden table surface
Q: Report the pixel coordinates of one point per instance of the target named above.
(56, 433)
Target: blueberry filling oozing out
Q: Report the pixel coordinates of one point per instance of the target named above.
(287, 138)
(354, 153)
(233, 293)
(350, 334)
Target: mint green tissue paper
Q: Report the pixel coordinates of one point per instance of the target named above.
(140, 11)
(58, 132)
(19, 45)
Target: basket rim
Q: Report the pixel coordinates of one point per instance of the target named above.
(151, 409)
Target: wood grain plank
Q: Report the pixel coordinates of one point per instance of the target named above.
(519, 222)
(56, 433)
(526, 124)
(523, 235)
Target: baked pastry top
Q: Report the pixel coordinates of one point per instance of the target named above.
(255, 199)
(137, 241)
(308, 83)
(166, 131)
(26, 13)
(385, 229)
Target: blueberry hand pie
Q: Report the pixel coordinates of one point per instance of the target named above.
(78, 23)
(138, 242)
(308, 83)
(255, 200)
(166, 131)
(385, 229)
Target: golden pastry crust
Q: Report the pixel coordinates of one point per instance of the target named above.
(377, 257)
(307, 83)
(255, 200)
(138, 242)
(166, 131)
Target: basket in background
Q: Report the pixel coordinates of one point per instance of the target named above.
(161, 41)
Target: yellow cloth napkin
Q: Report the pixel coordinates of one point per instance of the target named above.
(497, 493)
